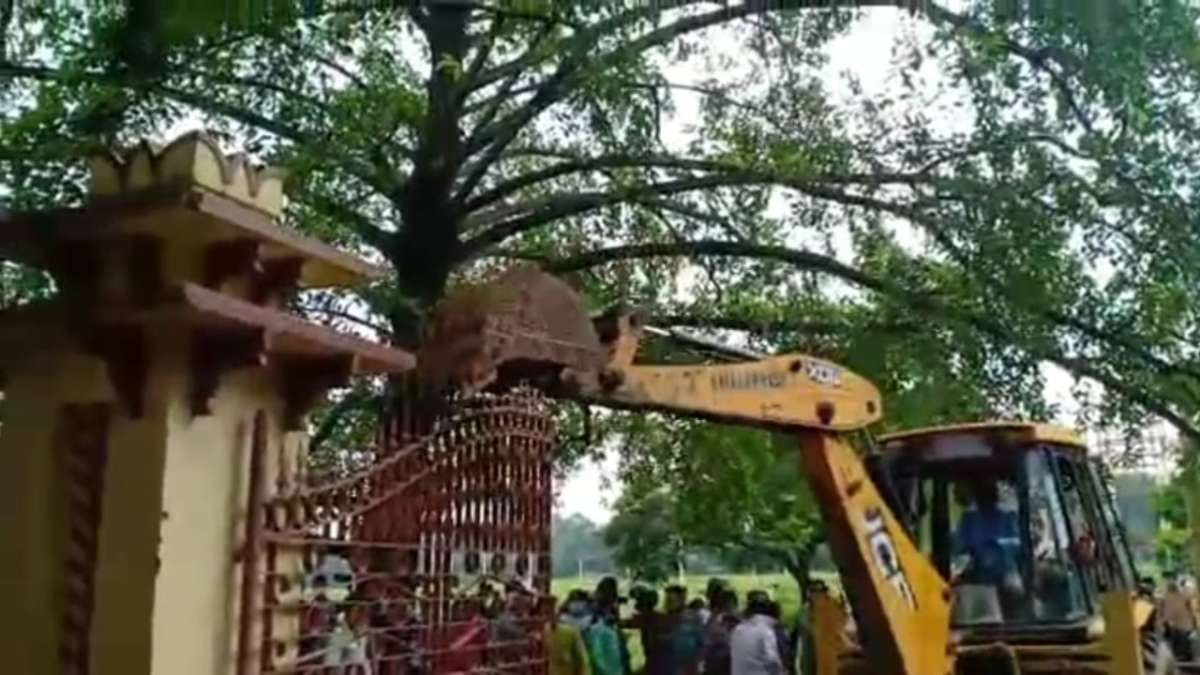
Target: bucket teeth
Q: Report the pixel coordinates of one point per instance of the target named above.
(525, 325)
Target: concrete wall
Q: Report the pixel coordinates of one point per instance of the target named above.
(203, 502)
(175, 491)
(32, 524)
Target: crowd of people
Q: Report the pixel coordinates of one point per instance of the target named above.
(712, 634)
(346, 629)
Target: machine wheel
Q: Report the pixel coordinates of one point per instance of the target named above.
(1157, 658)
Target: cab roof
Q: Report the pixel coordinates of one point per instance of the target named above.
(1014, 433)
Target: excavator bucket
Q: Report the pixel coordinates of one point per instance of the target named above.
(524, 325)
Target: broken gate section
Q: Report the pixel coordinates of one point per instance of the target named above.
(433, 559)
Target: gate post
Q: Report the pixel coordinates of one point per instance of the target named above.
(130, 407)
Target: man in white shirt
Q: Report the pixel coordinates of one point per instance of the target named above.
(752, 647)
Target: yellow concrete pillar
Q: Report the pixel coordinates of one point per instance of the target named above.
(170, 492)
(130, 401)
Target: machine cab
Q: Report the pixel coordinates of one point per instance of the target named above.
(1017, 518)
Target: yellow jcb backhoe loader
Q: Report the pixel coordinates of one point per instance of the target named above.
(1063, 596)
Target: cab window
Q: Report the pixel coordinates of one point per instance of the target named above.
(999, 524)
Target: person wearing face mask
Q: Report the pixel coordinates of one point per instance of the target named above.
(567, 651)
(578, 611)
(606, 607)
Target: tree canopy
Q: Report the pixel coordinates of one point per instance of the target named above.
(1022, 197)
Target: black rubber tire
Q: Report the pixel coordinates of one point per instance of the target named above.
(1157, 658)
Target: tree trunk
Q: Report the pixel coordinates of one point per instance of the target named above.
(797, 568)
(426, 247)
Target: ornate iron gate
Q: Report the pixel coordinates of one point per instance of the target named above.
(433, 559)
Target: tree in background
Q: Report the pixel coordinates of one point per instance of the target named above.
(1171, 508)
(736, 491)
(644, 538)
(1190, 483)
(1178, 506)
(578, 548)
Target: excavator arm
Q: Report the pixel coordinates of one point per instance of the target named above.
(900, 602)
(786, 392)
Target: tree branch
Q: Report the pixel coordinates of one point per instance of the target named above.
(923, 303)
(504, 91)
(334, 418)
(236, 113)
(496, 137)
(380, 178)
(255, 83)
(581, 41)
(541, 211)
(33, 72)
(357, 320)
(336, 67)
(439, 149)
(483, 50)
(335, 209)
(512, 13)
(8, 9)
(1108, 338)
(694, 214)
(773, 325)
(584, 164)
(715, 247)
(1038, 59)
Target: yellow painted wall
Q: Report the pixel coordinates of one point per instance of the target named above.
(28, 517)
(166, 585)
(128, 553)
(205, 492)
(33, 525)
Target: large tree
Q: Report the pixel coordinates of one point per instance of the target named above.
(1049, 220)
